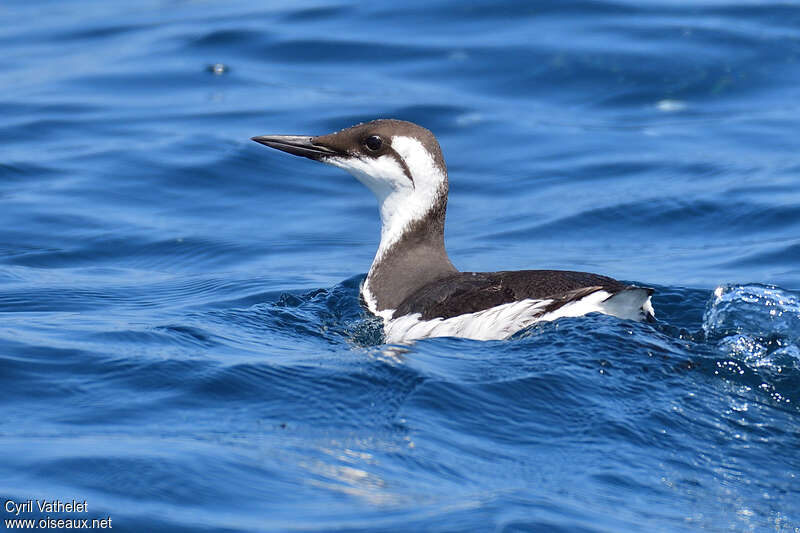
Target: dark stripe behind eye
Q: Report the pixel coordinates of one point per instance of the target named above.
(402, 163)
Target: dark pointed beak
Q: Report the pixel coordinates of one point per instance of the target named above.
(297, 145)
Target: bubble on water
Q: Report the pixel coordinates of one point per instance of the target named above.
(739, 405)
(743, 347)
(218, 69)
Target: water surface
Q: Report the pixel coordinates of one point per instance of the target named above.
(181, 342)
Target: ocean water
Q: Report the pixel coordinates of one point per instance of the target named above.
(181, 342)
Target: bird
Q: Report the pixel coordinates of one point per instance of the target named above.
(412, 285)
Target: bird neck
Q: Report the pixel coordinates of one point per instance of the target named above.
(411, 253)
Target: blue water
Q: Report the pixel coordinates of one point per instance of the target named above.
(181, 342)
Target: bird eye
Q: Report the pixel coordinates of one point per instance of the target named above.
(373, 143)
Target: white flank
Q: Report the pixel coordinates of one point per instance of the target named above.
(501, 322)
(494, 323)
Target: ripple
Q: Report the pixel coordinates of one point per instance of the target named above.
(99, 32)
(779, 254)
(229, 37)
(333, 316)
(344, 52)
(315, 13)
(174, 254)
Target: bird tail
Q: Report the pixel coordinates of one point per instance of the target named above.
(631, 303)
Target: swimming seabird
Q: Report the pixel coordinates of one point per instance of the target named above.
(412, 285)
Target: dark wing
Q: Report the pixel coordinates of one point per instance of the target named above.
(470, 292)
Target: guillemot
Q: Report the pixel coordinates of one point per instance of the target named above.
(412, 285)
